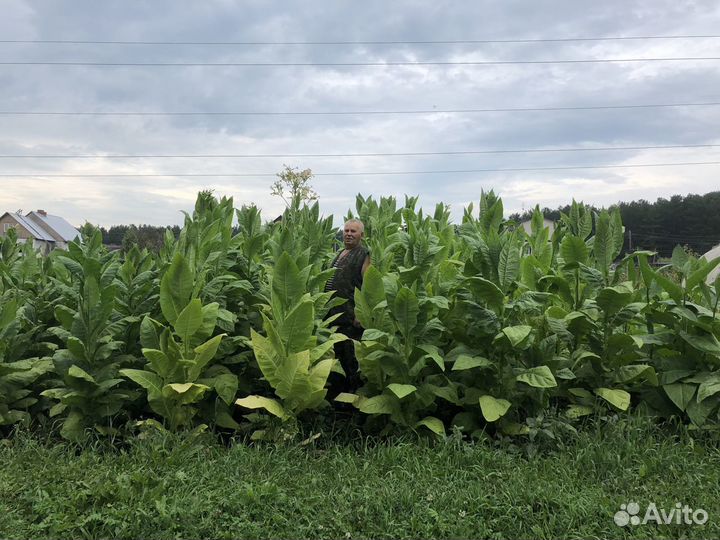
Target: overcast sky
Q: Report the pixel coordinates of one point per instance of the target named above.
(331, 89)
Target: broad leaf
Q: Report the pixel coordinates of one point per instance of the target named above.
(573, 250)
(288, 285)
(680, 393)
(708, 388)
(382, 404)
(203, 355)
(617, 398)
(189, 320)
(493, 408)
(578, 411)
(185, 393)
(406, 311)
(509, 263)
(175, 288)
(464, 361)
(433, 424)
(487, 291)
(148, 380)
(297, 327)
(517, 334)
(80, 373)
(259, 402)
(401, 390)
(537, 377)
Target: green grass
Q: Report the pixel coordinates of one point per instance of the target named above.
(174, 487)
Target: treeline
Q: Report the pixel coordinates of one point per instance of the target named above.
(692, 221)
(143, 236)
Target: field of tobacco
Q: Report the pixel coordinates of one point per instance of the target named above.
(475, 327)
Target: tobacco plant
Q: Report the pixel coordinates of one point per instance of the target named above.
(178, 373)
(296, 354)
(88, 390)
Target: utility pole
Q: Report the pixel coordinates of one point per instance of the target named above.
(630, 239)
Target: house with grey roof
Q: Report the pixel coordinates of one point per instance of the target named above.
(45, 231)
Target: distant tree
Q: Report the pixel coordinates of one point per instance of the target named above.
(130, 239)
(115, 234)
(692, 221)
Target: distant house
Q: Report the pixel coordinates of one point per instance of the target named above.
(709, 256)
(547, 223)
(45, 231)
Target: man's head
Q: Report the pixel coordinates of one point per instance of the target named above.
(353, 233)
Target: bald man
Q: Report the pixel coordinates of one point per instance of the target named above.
(350, 265)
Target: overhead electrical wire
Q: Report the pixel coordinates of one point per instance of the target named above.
(673, 237)
(358, 64)
(356, 113)
(365, 173)
(359, 42)
(363, 154)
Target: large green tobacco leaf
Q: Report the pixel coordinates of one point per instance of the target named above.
(630, 373)
(699, 275)
(297, 327)
(382, 404)
(161, 364)
(680, 393)
(487, 291)
(613, 299)
(288, 285)
(618, 398)
(147, 379)
(184, 393)
(294, 376)
(509, 263)
(203, 355)
(269, 359)
(176, 287)
(706, 343)
(406, 311)
(537, 377)
(708, 387)
(401, 390)
(259, 402)
(574, 251)
(673, 289)
(189, 320)
(603, 243)
(493, 408)
(464, 361)
(517, 334)
(433, 424)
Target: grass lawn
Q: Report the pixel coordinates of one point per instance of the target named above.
(174, 487)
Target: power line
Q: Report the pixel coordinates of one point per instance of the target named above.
(389, 42)
(359, 64)
(354, 113)
(367, 154)
(367, 173)
(675, 237)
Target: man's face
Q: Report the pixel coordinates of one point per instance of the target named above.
(352, 234)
